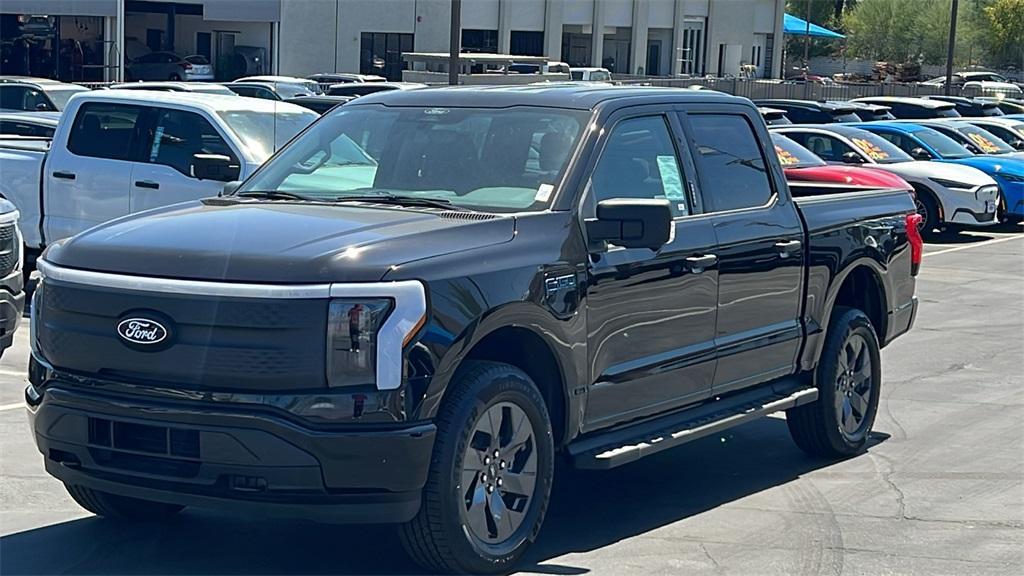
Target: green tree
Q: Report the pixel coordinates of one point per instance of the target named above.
(885, 29)
(1005, 19)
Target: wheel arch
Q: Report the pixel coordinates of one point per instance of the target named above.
(928, 192)
(860, 285)
(524, 336)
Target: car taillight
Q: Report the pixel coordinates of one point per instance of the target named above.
(916, 242)
(186, 65)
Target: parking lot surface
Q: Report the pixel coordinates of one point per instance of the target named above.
(940, 490)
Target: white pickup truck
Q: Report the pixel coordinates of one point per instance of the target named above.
(119, 152)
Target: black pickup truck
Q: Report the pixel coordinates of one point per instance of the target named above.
(429, 296)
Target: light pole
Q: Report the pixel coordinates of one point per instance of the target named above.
(807, 50)
(951, 48)
(455, 43)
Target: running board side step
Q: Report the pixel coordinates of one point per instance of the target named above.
(632, 443)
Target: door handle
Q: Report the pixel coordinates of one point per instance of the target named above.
(147, 184)
(699, 263)
(785, 248)
(64, 175)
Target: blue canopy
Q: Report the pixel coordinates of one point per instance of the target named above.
(798, 27)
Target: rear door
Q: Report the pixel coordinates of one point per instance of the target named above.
(650, 315)
(87, 178)
(760, 247)
(163, 175)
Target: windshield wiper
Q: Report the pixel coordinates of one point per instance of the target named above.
(400, 200)
(271, 195)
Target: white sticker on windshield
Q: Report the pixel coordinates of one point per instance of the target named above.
(543, 193)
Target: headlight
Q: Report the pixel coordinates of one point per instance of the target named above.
(953, 184)
(352, 331)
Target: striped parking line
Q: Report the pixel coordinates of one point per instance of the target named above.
(15, 406)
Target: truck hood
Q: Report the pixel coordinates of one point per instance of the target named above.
(852, 175)
(276, 242)
(992, 164)
(922, 171)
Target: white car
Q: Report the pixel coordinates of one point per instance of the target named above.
(946, 194)
(986, 88)
(590, 74)
(1009, 130)
(97, 168)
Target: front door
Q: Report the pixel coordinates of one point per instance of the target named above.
(87, 180)
(164, 174)
(760, 251)
(650, 315)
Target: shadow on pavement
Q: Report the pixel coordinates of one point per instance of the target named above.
(955, 237)
(589, 510)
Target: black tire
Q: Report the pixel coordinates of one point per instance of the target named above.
(929, 210)
(121, 507)
(442, 537)
(820, 428)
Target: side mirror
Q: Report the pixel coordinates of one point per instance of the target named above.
(852, 158)
(632, 223)
(920, 154)
(42, 107)
(1017, 144)
(973, 149)
(215, 167)
(230, 187)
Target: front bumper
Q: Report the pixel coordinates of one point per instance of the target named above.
(217, 457)
(12, 306)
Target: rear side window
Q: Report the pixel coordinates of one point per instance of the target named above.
(804, 116)
(105, 131)
(179, 135)
(825, 147)
(732, 167)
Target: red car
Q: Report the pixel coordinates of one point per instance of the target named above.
(808, 175)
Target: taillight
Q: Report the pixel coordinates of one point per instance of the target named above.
(186, 65)
(916, 242)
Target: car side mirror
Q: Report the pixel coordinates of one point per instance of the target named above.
(230, 187)
(852, 158)
(1017, 144)
(215, 167)
(972, 148)
(632, 223)
(920, 154)
(42, 107)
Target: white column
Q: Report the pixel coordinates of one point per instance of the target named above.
(638, 49)
(121, 57)
(678, 25)
(553, 30)
(597, 35)
(505, 26)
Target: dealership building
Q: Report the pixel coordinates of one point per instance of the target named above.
(87, 40)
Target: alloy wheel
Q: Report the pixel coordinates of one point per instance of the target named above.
(499, 474)
(854, 386)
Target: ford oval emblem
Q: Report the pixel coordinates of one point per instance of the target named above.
(142, 331)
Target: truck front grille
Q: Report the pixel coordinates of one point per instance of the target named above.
(213, 343)
(8, 249)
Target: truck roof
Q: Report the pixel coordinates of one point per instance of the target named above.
(211, 103)
(553, 95)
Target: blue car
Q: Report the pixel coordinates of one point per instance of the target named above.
(924, 143)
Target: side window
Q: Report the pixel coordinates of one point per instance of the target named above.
(24, 129)
(264, 93)
(178, 135)
(825, 147)
(902, 142)
(105, 131)
(640, 161)
(799, 115)
(732, 167)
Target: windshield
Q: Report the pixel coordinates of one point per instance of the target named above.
(986, 141)
(877, 148)
(947, 148)
(793, 155)
(60, 96)
(844, 116)
(500, 160)
(264, 132)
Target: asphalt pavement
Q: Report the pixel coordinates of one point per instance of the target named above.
(940, 490)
